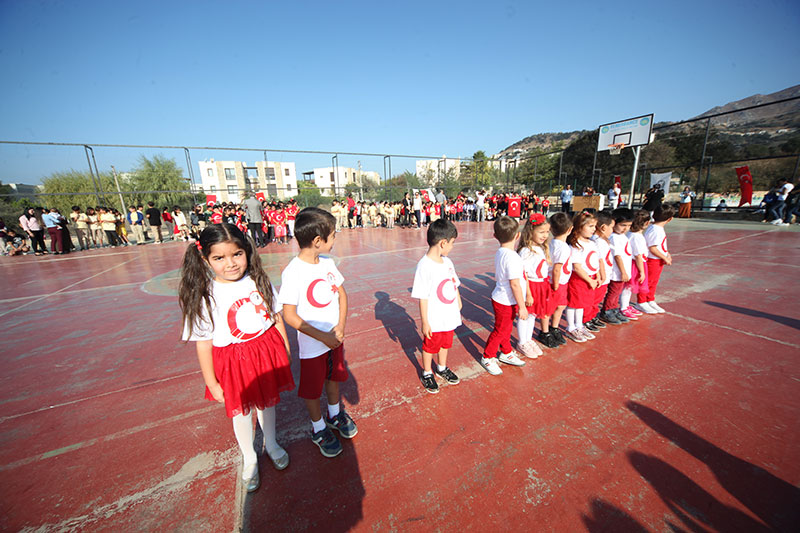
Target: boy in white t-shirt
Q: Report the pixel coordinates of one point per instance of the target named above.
(508, 297)
(657, 254)
(436, 286)
(621, 270)
(315, 304)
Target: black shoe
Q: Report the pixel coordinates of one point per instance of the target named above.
(597, 322)
(448, 375)
(558, 336)
(619, 316)
(591, 327)
(609, 318)
(548, 340)
(429, 382)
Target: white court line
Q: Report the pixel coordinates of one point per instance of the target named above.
(121, 285)
(724, 242)
(53, 258)
(735, 330)
(420, 247)
(65, 288)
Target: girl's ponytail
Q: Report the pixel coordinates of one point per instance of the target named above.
(194, 287)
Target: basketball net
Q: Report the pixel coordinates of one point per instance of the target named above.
(615, 149)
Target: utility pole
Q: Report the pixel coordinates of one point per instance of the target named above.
(121, 200)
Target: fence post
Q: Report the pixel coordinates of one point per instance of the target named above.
(86, 148)
(708, 174)
(703, 156)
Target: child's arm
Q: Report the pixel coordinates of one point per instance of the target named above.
(656, 251)
(556, 275)
(640, 266)
(581, 273)
(621, 265)
(338, 330)
(291, 317)
(601, 277)
(423, 313)
(207, 369)
(516, 290)
(282, 330)
(458, 295)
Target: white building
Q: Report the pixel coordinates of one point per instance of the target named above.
(431, 171)
(231, 180)
(331, 181)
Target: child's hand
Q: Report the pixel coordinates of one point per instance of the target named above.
(339, 332)
(528, 300)
(523, 314)
(668, 260)
(330, 340)
(426, 331)
(641, 277)
(216, 392)
(625, 277)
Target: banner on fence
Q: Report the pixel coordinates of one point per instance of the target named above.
(211, 199)
(514, 206)
(745, 185)
(427, 195)
(662, 178)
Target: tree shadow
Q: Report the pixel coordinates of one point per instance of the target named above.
(400, 326)
(775, 501)
(785, 320)
(609, 518)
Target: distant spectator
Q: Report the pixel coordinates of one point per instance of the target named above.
(51, 222)
(154, 218)
(16, 243)
(777, 208)
(722, 205)
(166, 216)
(685, 209)
(653, 198)
(613, 196)
(566, 199)
(81, 222)
(136, 220)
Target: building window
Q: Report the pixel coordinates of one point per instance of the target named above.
(231, 189)
(210, 172)
(289, 187)
(331, 176)
(285, 171)
(230, 174)
(271, 174)
(212, 188)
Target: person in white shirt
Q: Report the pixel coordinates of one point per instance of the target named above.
(613, 195)
(560, 270)
(586, 266)
(436, 287)
(241, 342)
(638, 282)
(535, 257)
(417, 206)
(508, 298)
(605, 228)
(480, 204)
(657, 255)
(775, 215)
(315, 304)
(621, 270)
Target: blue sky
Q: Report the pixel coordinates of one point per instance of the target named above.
(427, 78)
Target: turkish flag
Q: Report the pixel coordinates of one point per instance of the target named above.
(745, 185)
(260, 196)
(424, 194)
(514, 206)
(211, 199)
(618, 181)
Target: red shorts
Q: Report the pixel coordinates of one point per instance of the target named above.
(542, 294)
(438, 341)
(559, 297)
(314, 372)
(579, 294)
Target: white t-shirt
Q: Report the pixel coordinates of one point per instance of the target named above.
(437, 283)
(655, 236)
(507, 266)
(621, 247)
(638, 244)
(560, 252)
(239, 313)
(535, 264)
(314, 289)
(606, 256)
(586, 256)
(785, 190)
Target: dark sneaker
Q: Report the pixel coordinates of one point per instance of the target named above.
(591, 327)
(619, 316)
(343, 424)
(558, 336)
(597, 322)
(448, 375)
(548, 340)
(609, 318)
(329, 445)
(429, 382)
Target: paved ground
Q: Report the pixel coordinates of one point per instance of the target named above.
(684, 421)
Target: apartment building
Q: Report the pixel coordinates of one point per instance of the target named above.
(331, 181)
(231, 180)
(432, 170)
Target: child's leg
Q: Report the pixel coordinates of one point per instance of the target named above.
(502, 314)
(544, 323)
(557, 316)
(332, 392)
(266, 419)
(315, 412)
(427, 358)
(525, 329)
(625, 298)
(654, 268)
(579, 317)
(243, 430)
(571, 325)
(441, 359)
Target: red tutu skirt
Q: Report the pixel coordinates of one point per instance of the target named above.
(542, 294)
(557, 298)
(253, 373)
(634, 284)
(579, 294)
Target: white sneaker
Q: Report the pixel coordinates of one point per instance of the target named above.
(491, 366)
(588, 335)
(784, 224)
(775, 222)
(657, 307)
(531, 350)
(644, 308)
(511, 358)
(576, 336)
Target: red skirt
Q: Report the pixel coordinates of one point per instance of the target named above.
(542, 294)
(558, 298)
(579, 294)
(253, 373)
(633, 284)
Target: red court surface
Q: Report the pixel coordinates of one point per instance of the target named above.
(680, 422)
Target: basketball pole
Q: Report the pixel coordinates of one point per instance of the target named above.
(636, 151)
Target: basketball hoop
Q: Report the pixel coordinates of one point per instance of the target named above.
(615, 149)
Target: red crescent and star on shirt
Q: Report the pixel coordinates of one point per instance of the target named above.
(257, 302)
(310, 292)
(440, 291)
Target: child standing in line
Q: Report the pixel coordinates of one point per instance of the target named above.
(657, 254)
(436, 286)
(230, 310)
(560, 271)
(109, 224)
(605, 227)
(81, 222)
(95, 231)
(315, 304)
(279, 219)
(621, 270)
(535, 262)
(583, 282)
(508, 297)
(638, 283)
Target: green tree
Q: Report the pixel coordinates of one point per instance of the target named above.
(477, 174)
(308, 195)
(67, 186)
(160, 180)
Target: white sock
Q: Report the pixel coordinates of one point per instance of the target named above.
(579, 318)
(243, 430)
(624, 299)
(318, 425)
(333, 410)
(440, 368)
(525, 329)
(570, 312)
(266, 419)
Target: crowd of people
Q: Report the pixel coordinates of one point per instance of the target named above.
(782, 203)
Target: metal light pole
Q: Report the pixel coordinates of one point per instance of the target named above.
(116, 182)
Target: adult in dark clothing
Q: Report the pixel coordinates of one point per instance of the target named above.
(407, 210)
(154, 219)
(252, 209)
(653, 198)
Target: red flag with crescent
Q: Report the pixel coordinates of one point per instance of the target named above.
(260, 196)
(745, 185)
(211, 199)
(618, 181)
(514, 206)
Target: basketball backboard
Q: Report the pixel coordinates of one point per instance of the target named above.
(632, 132)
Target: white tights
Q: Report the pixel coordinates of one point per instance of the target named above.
(624, 299)
(574, 318)
(525, 328)
(243, 429)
